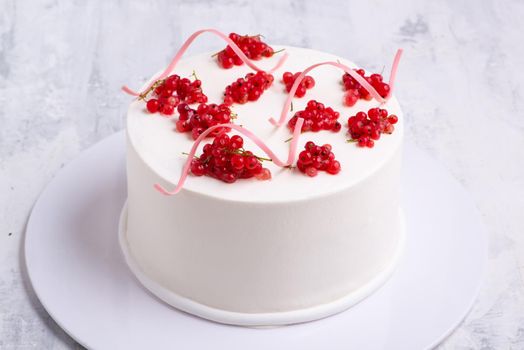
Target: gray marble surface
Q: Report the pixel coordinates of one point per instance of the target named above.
(461, 84)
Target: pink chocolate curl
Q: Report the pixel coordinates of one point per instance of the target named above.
(355, 75)
(188, 43)
(261, 144)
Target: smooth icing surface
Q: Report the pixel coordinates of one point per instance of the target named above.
(160, 146)
(256, 319)
(276, 248)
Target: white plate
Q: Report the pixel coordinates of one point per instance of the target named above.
(78, 272)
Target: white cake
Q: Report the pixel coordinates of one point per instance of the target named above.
(288, 250)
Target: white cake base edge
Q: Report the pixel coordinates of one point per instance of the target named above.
(258, 319)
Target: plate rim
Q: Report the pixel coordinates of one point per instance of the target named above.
(26, 244)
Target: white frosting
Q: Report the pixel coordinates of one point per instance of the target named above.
(161, 148)
(263, 247)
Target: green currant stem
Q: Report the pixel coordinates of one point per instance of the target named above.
(205, 161)
(186, 154)
(242, 152)
(278, 51)
(157, 83)
(252, 36)
(263, 159)
(194, 75)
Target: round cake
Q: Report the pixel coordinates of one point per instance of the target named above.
(289, 249)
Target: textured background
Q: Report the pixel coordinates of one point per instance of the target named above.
(461, 84)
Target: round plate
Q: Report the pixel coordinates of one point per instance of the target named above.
(78, 272)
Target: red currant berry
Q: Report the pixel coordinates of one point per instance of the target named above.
(307, 83)
(311, 171)
(249, 88)
(393, 119)
(316, 117)
(197, 168)
(152, 105)
(265, 174)
(333, 167)
(251, 46)
(237, 161)
(224, 161)
(250, 162)
(167, 109)
(317, 158)
(351, 84)
(236, 142)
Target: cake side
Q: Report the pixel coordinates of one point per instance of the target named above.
(264, 257)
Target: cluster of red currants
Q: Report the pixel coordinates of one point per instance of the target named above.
(225, 159)
(365, 128)
(172, 91)
(356, 91)
(314, 158)
(307, 83)
(205, 116)
(252, 46)
(316, 117)
(249, 88)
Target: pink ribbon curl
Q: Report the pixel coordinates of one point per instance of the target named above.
(186, 45)
(261, 144)
(374, 93)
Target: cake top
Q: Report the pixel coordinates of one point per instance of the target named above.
(164, 145)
